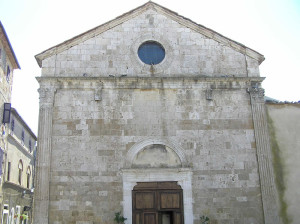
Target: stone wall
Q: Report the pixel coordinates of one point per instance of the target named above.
(91, 140)
(114, 52)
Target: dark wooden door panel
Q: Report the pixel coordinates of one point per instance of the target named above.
(170, 200)
(157, 203)
(137, 218)
(150, 218)
(145, 200)
(177, 219)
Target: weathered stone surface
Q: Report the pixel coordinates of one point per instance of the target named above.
(114, 52)
(117, 121)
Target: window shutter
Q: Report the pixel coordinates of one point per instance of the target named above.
(6, 113)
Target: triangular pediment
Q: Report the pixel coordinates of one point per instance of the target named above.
(137, 11)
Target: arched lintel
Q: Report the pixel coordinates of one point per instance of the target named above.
(167, 142)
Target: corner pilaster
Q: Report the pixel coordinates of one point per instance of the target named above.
(264, 157)
(41, 194)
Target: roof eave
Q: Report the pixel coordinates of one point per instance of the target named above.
(16, 63)
(25, 125)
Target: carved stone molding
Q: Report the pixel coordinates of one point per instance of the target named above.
(264, 156)
(167, 142)
(98, 92)
(257, 94)
(46, 96)
(41, 194)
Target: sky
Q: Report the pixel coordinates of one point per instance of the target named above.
(271, 27)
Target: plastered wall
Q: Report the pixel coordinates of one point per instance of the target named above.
(284, 126)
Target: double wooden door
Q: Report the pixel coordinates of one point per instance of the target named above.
(157, 203)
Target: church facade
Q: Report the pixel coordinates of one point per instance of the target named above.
(155, 116)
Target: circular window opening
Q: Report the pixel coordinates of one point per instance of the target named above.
(151, 53)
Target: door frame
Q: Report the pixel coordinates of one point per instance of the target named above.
(182, 175)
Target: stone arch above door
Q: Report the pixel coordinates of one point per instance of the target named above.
(171, 153)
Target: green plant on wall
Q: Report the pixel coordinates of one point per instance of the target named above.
(204, 220)
(120, 219)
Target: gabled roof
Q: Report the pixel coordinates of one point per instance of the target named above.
(8, 48)
(137, 11)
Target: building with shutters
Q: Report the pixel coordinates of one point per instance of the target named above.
(8, 63)
(18, 179)
(17, 146)
(155, 116)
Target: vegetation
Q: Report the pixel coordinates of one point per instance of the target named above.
(204, 220)
(119, 218)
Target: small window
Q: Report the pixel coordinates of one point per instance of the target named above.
(23, 136)
(20, 171)
(12, 125)
(8, 74)
(30, 145)
(8, 171)
(6, 113)
(28, 173)
(151, 53)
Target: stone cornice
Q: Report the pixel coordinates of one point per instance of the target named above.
(135, 12)
(21, 146)
(214, 83)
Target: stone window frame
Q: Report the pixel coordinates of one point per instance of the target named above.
(149, 47)
(183, 176)
(158, 68)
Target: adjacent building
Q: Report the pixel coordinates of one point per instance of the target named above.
(17, 146)
(19, 171)
(284, 129)
(8, 63)
(158, 117)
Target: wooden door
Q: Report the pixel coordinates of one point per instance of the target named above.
(157, 203)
